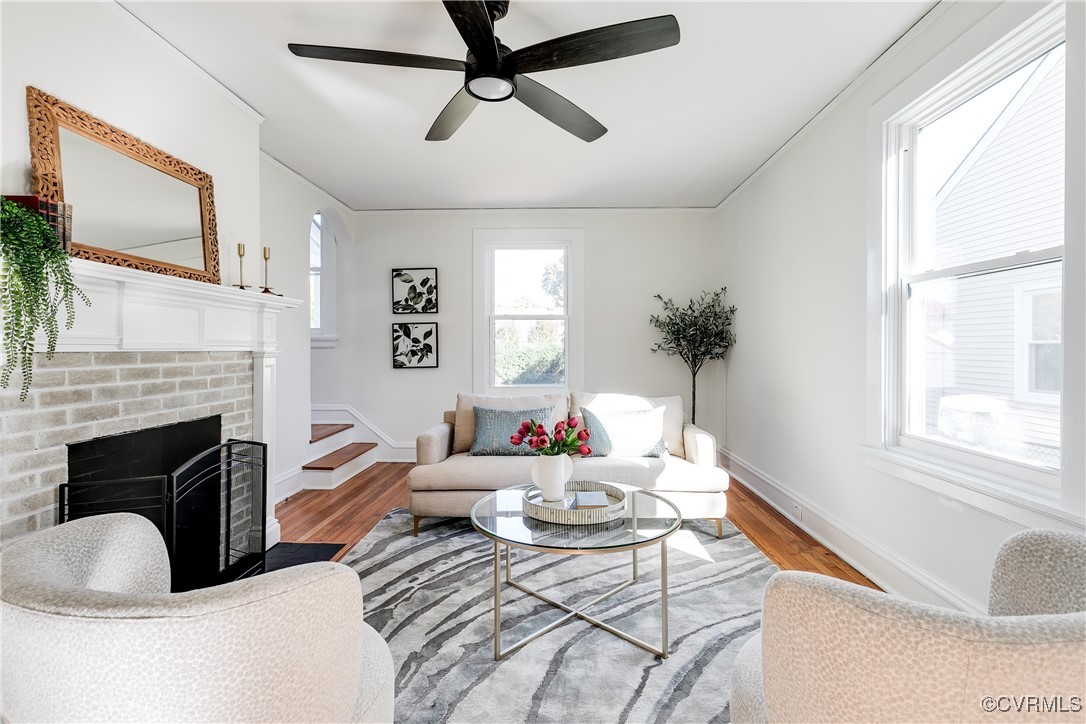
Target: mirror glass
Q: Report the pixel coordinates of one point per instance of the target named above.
(126, 206)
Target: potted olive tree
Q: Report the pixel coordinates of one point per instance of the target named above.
(35, 283)
(699, 332)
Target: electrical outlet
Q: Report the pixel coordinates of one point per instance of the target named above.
(797, 512)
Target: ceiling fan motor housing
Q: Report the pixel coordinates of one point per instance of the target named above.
(492, 84)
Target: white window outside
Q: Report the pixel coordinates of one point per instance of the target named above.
(528, 326)
(322, 277)
(315, 272)
(967, 323)
(1037, 334)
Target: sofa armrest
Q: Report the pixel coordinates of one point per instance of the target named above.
(434, 445)
(700, 446)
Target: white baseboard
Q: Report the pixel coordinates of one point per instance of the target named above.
(388, 450)
(885, 568)
(288, 484)
(273, 533)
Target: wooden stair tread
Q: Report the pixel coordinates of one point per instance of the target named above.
(344, 455)
(319, 432)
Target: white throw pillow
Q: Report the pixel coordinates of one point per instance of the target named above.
(625, 433)
(673, 412)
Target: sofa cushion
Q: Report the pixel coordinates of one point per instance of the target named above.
(673, 412)
(626, 433)
(668, 473)
(494, 427)
(464, 427)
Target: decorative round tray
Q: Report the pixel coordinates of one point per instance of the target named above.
(563, 511)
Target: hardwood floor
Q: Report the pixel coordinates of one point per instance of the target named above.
(346, 514)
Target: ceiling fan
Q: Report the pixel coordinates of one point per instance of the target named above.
(493, 72)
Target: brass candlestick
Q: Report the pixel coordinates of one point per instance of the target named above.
(241, 267)
(267, 256)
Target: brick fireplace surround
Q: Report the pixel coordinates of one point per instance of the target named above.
(78, 396)
(152, 350)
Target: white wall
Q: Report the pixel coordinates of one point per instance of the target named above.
(101, 60)
(794, 251)
(629, 256)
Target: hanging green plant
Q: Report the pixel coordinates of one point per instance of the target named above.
(35, 282)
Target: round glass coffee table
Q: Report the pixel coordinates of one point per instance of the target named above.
(648, 520)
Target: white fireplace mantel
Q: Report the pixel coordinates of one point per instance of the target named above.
(133, 310)
(137, 310)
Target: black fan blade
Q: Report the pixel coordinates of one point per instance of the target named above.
(472, 20)
(453, 116)
(558, 110)
(599, 44)
(376, 57)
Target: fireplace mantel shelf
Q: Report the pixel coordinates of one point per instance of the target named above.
(138, 310)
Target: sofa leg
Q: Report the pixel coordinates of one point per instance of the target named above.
(415, 530)
(719, 528)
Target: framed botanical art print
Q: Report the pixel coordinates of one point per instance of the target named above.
(414, 346)
(414, 291)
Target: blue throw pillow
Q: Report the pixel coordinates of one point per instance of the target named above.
(493, 428)
(625, 433)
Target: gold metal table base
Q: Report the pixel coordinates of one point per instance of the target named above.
(572, 613)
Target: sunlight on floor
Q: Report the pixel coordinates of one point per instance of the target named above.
(687, 542)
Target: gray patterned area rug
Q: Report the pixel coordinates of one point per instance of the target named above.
(431, 598)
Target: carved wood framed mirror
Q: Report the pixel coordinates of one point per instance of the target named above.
(133, 205)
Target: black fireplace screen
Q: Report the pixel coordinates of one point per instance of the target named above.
(229, 480)
(210, 510)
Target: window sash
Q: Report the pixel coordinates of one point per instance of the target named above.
(494, 317)
(901, 224)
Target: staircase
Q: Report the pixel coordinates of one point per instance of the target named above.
(337, 457)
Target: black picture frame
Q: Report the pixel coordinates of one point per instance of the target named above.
(414, 346)
(414, 290)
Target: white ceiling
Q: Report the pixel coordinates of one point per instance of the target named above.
(686, 124)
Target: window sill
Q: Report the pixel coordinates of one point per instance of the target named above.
(323, 341)
(974, 488)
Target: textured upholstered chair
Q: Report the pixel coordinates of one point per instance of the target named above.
(92, 633)
(834, 651)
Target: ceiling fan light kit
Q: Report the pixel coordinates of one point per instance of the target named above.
(494, 73)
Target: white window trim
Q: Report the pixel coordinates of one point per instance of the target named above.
(325, 337)
(932, 468)
(484, 241)
(1023, 338)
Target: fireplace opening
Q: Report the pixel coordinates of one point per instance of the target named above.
(207, 498)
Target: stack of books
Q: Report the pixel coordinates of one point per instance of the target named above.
(57, 214)
(586, 499)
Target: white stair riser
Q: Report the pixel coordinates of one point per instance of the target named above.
(320, 448)
(331, 479)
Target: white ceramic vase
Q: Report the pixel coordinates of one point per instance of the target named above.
(550, 473)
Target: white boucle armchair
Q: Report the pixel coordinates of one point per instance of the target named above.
(832, 651)
(92, 633)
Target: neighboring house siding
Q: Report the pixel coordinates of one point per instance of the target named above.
(1006, 199)
(1011, 197)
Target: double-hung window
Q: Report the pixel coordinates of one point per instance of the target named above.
(322, 277)
(972, 226)
(315, 272)
(528, 321)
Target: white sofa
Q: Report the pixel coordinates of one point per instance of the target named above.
(90, 632)
(446, 481)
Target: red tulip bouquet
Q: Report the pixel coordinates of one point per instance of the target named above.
(565, 440)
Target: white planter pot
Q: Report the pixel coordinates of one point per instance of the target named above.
(550, 473)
